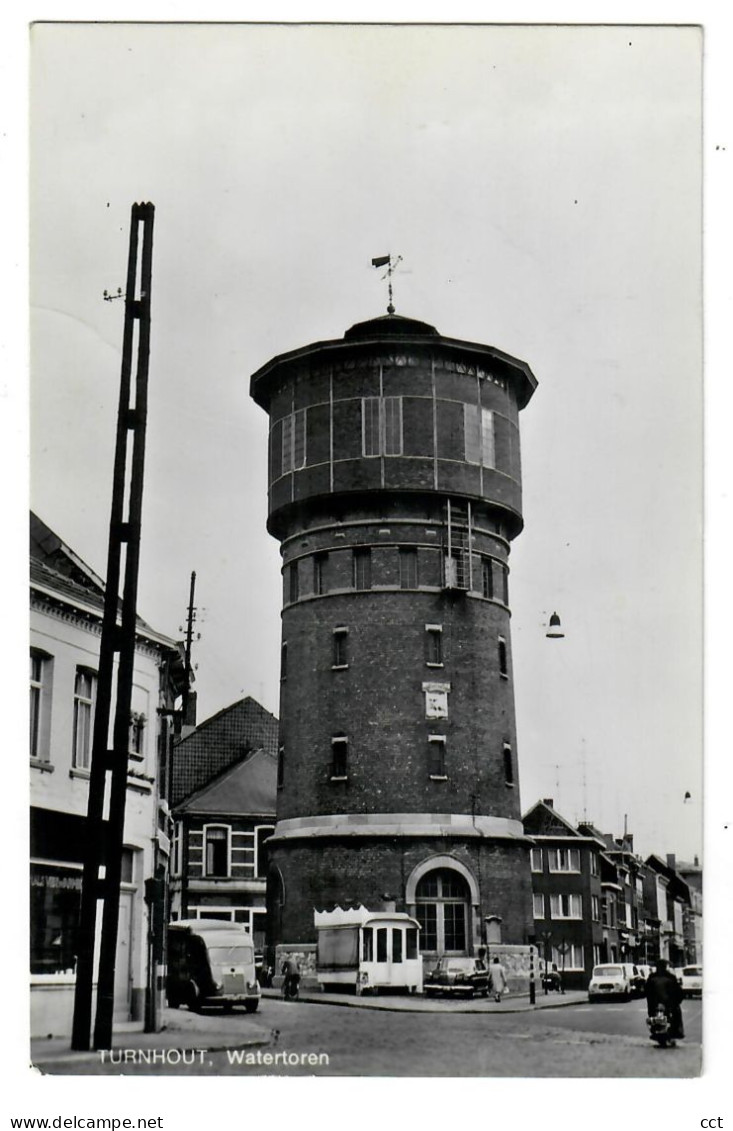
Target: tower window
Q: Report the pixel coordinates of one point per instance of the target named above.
(340, 647)
(293, 441)
(281, 767)
(504, 583)
(408, 569)
(487, 578)
(319, 562)
(363, 568)
(293, 586)
(283, 661)
(478, 433)
(339, 757)
(503, 668)
(436, 756)
(381, 424)
(508, 765)
(434, 645)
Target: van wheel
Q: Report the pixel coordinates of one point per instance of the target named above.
(251, 1006)
(194, 998)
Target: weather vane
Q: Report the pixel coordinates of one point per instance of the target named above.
(391, 265)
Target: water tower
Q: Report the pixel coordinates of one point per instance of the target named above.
(395, 493)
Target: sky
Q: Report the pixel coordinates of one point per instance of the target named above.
(543, 186)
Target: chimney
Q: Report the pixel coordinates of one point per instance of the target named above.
(696, 861)
(548, 801)
(671, 861)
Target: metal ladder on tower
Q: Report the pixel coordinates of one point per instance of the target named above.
(457, 559)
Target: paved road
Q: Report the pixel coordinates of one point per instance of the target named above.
(623, 1018)
(575, 1041)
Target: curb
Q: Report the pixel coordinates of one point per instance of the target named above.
(434, 1006)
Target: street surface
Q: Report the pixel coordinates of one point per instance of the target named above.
(578, 1040)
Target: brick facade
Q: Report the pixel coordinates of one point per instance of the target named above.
(395, 491)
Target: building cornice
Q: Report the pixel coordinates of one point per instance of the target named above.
(460, 825)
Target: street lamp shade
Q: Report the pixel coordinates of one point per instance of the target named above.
(554, 631)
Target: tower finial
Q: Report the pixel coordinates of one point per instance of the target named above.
(391, 264)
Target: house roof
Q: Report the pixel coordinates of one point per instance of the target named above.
(247, 788)
(219, 743)
(56, 572)
(543, 820)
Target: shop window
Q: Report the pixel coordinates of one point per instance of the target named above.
(55, 902)
(568, 957)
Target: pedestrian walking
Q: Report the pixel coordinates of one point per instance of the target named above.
(498, 979)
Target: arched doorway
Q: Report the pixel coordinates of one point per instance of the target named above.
(442, 908)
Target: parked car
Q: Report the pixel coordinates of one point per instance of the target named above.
(691, 981)
(458, 976)
(609, 981)
(637, 979)
(211, 962)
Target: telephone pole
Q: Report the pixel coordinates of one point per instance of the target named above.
(104, 837)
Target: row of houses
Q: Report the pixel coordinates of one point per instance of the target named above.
(595, 900)
(201, 804)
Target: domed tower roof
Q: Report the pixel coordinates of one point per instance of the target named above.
(390, 326)
(363, 336)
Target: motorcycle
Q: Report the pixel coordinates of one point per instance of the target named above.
(660, 1028)
(291, 987)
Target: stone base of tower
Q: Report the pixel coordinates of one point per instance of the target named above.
(464, 892)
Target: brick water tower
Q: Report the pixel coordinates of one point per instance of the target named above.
(395, 493)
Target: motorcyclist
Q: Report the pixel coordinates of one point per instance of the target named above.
(291, 972)
(662, 988)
